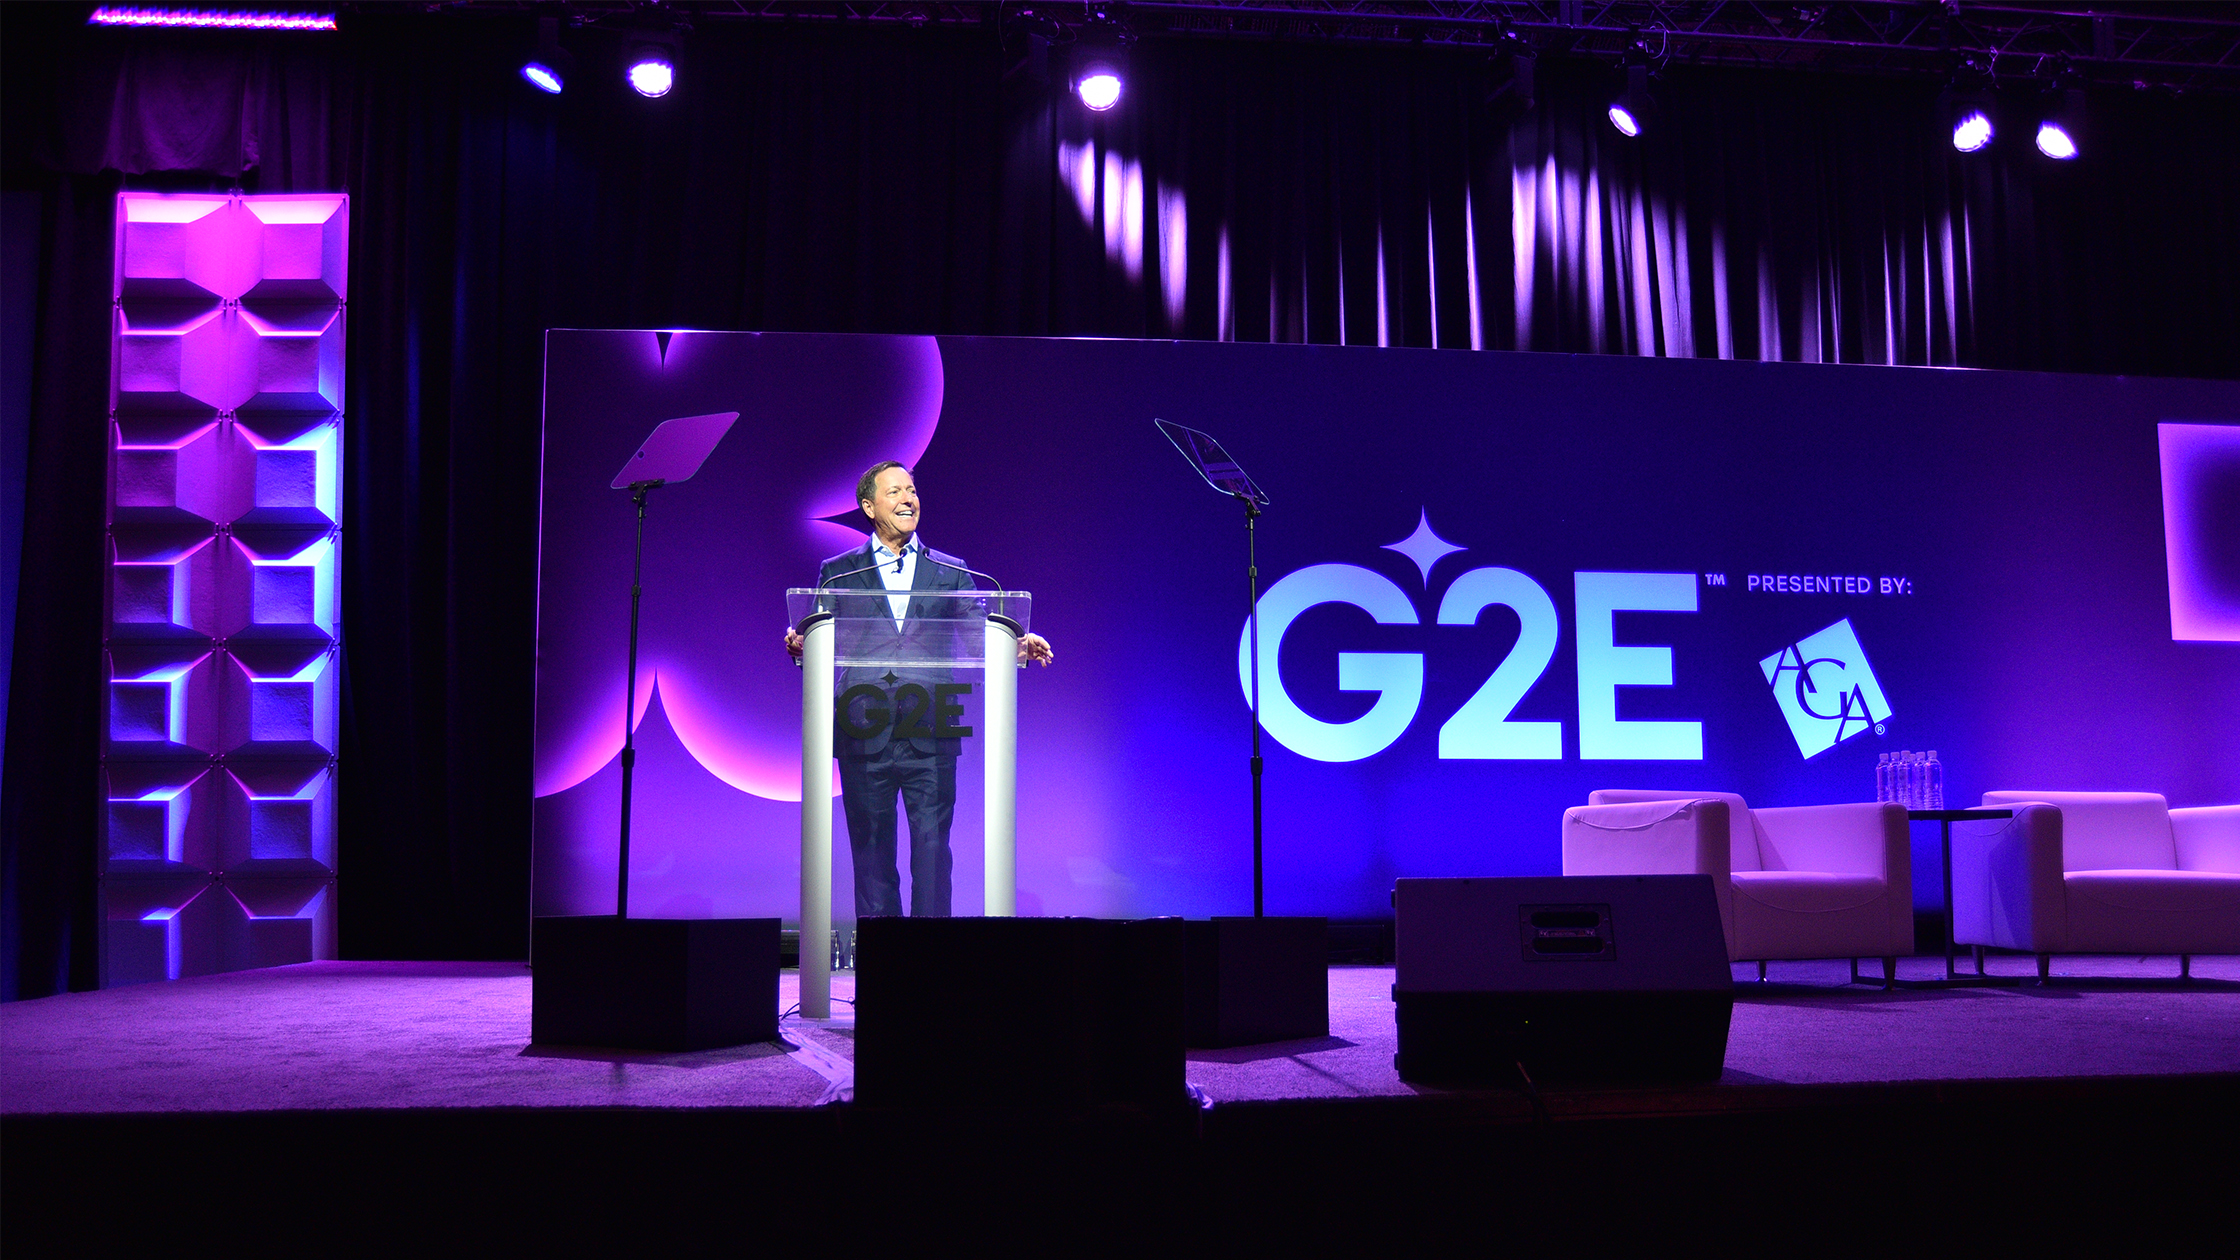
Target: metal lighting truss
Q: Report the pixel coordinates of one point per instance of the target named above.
(2181, 47)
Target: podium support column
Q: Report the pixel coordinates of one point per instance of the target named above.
(999, 748)
(816, 819)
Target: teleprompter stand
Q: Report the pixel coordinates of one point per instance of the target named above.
(1266, 978)
(653, 984)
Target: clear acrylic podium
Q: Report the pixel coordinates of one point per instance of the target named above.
(875, 664)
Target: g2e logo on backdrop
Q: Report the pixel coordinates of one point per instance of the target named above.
(1826, 688)
(1481, 729)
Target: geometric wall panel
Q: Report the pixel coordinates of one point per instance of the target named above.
(164, 930)
(225, 423)
(279, 702)
(218, 360)
(294, 470)
(291, 594)
(170, 592)
(278, 820)
(305, 245)
(157, 929)
(271, 923)
(296, 361)
(163, 817)
(152, 356)
(195, 477)
(161, 702)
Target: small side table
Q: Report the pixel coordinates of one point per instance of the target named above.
(1944, 818)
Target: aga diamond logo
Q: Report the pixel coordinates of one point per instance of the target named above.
(1826, 688)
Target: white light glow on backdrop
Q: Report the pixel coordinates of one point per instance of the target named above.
(1174, 252)
(1108, 190)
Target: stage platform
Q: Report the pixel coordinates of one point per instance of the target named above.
(405, 1100)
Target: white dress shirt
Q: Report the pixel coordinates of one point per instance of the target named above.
(897, 573)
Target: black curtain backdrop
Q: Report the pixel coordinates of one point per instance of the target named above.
(820, 177)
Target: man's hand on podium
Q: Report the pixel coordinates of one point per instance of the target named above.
(1033, 648)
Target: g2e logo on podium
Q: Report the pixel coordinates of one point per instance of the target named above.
(865, 710)
(1482, 728)
(1826, 688)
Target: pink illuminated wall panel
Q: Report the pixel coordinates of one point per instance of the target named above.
(225, 439)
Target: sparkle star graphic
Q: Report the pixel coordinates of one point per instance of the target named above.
(1424, 547)
(889, 679)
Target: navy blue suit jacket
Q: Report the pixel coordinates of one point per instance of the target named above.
(854, 570)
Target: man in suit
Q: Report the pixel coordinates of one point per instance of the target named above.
(907, 753)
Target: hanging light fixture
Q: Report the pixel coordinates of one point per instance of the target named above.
(1633, 109)
(650, 63)
(1510, 73)
(1100, 61)
(1100, 83)
(1966, 106)
(2061, 117)
(548, 65)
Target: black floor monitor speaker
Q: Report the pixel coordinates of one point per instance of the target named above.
(1254, 980)
(653, 984)
(1022, 1014)
(1581, 979)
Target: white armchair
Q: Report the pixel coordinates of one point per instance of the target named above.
(1813, 881)
(2098, 873)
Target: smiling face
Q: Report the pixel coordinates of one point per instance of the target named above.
(893, 505)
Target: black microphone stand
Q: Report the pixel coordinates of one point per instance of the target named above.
(638, 492)
(1252, 583)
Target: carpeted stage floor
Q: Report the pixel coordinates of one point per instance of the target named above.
(343, 1035)
(402, 1101)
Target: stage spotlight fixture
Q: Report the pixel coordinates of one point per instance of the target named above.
(1966, 106)
(1100, 61)
(1510, 70)
(548, 65)
(650, 63)
(1630, 113)
(1098, 85)
(2063, 124)
(652, 73)
(1029, 34)
(1972, 130)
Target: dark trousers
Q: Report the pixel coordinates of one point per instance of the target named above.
(927, 783)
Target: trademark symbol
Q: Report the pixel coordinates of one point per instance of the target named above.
(1878, 728)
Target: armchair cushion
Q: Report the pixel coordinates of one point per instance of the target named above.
(1807, 914)
(2025, 884)
(2153, 912)
(1654, 837)
(1742, 825)
(1807, 892)
(1819, 881)
(1845, 839)
(2208, 838)
(2105, 831)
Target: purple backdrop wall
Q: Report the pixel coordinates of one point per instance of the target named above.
(1993, 544)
